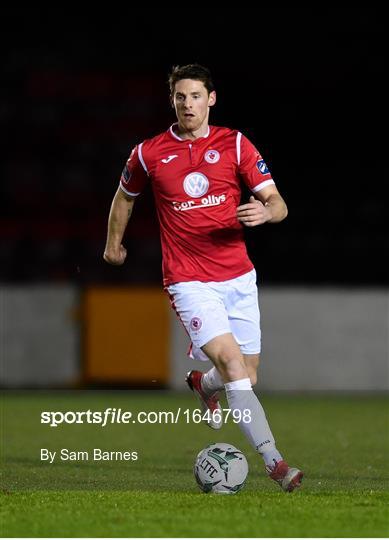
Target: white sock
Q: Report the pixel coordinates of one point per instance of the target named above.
(253, 422)
(271, 458)
(211, 382)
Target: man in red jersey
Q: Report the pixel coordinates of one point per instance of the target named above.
(196, 172)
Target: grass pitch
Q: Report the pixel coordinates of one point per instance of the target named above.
(341, 443)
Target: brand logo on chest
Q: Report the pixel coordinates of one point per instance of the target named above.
(196, 184)
(169, 158)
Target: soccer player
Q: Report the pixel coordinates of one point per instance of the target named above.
(196, 171)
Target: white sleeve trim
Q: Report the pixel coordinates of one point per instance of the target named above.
(128, 192)
(262, 185)
(238, 139)
(141, 158)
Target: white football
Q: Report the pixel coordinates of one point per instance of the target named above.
(221, 468)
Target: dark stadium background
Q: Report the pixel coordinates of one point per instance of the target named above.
(78, 91)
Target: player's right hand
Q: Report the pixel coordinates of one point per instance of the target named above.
(115, 257)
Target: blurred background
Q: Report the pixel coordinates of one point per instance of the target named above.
(79, 91)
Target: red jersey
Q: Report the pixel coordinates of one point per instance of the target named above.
(196, 185)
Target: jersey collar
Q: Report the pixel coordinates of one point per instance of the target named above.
(171, 130)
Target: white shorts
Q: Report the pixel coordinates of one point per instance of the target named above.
(210, 309)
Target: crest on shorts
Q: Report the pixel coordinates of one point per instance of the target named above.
(196, 323)
(211, 156)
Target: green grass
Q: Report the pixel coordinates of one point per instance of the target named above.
(342, 443)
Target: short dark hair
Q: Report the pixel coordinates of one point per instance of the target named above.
(191, 71)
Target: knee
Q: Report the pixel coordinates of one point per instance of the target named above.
(227, 357)
(230, 362)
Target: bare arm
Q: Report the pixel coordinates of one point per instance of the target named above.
(121, 209)
(266, 206)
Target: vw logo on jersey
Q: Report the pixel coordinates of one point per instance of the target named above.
(262, 167)
(212, 156)
(196, 184)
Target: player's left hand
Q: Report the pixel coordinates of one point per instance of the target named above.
(253, 213)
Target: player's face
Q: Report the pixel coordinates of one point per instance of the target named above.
(191, 102)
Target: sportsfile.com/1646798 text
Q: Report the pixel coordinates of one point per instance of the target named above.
(118, 416)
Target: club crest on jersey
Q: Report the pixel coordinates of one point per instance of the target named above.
(262, 167)
(211, 156)
(196, 184)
